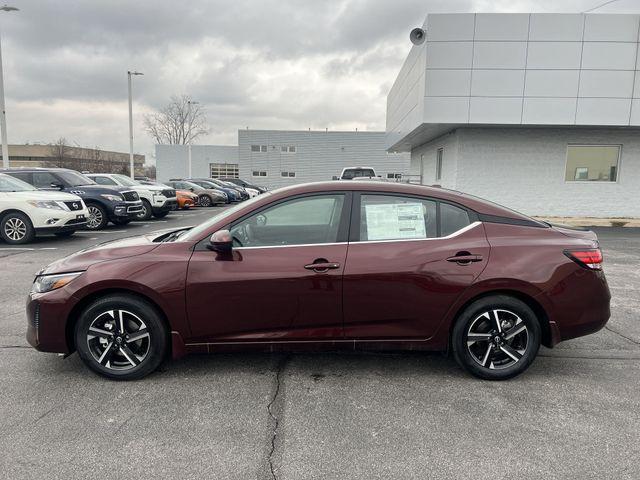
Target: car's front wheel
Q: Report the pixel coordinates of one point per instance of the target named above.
(496, 337)
(121, 337)
(16, 228)
(97, 219)
(146, 212)
(205, 201)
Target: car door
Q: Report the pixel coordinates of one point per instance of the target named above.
(409, 259)
(283, 280)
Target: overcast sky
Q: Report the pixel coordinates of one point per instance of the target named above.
(277, 64)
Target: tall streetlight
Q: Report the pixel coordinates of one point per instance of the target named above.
(3, 116)
(131, 166)
(189, 103)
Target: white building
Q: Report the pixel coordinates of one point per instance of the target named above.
(276, 158)
(538, 112)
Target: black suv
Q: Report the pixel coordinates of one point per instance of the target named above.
(118, 205)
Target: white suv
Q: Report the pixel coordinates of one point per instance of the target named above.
(26, 211)
(157, 200)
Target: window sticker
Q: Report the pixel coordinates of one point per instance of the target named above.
(395, 221)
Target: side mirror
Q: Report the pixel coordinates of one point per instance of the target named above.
(221, 242)
(192, 189)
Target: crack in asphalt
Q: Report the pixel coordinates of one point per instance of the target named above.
(623, 336)
(275, 411)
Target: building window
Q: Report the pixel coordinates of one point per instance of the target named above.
(259, 173)
(224, 170)
(259, 148)
(439, 155)
(394, 176)
(288, 149)
(288, 174)
(263, 148)
(592, 163)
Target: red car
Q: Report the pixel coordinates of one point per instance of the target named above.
(351, 265)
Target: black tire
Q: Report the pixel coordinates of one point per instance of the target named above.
(16, 228)
(146, 212)
(128, 359)
(205, 201)
(496, 338)
(65, 234)
(97, 217)
(121, 221)
(161, 214)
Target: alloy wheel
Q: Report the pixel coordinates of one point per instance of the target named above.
(118, 340)
(95, 217)
(497, 339)
(205, 201)
(15, 229)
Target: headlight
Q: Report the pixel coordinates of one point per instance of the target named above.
(50, 204)
(112, 198)
(46, 283)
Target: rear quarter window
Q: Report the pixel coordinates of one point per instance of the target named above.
(452, 219)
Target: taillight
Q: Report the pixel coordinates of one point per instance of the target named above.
(587, 258)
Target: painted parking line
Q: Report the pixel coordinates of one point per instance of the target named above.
(101, 232)
(28, 249)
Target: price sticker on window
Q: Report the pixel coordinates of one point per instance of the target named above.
(395, 221)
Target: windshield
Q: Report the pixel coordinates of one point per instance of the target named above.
(188, 185)
(196, 232)
(74, 179)
(11, 184)
(351, 173)
(126, 181)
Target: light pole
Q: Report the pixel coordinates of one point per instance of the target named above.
(129, 73)
(189, 103)
(3, 115)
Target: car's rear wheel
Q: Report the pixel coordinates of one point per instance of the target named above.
(205, 201)
(16, 228)
(496, 337)
(121, 337)
(97, 219)
(146, 212)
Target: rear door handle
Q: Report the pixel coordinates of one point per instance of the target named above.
(322, 266)
(465, 259)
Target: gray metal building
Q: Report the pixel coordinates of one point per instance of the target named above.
(276, 158)
(539, 112)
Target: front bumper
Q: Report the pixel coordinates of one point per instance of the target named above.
(165, 205)
(70, 225)
(123, 210)
(46, 321)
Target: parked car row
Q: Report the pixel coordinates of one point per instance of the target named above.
(59, 201)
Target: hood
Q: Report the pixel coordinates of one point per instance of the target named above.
(44, 195)
(112, 250)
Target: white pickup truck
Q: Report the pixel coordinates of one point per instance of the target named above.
(358, 173)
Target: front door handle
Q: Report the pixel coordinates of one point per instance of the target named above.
(465, 259)
(322, 266)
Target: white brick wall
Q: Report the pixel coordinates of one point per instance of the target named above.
(524, 169)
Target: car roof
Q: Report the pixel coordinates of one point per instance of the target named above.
(476, 204)
(37, 169)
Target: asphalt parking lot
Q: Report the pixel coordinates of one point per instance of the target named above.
(574, 414)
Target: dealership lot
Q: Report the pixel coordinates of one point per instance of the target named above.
(574, 414)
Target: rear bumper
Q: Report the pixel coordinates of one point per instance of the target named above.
(578, 306)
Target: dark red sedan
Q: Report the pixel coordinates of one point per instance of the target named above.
(351, 265)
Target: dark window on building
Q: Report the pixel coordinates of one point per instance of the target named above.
(439, 155)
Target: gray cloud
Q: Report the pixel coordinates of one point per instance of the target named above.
(262, 63)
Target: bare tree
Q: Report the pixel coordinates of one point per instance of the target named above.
(178, 123)
(60, 151)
